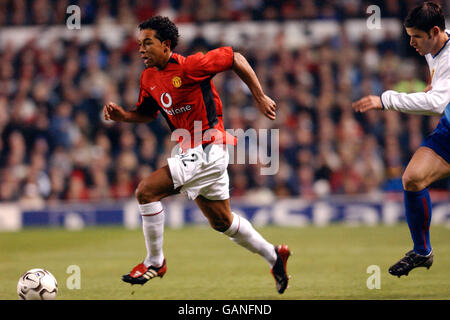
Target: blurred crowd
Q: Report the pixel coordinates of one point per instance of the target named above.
(41, 12)
(55, 144)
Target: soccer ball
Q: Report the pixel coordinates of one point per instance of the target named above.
(37, 284)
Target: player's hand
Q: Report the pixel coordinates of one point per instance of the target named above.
(267, 107)
(112, 111)
(367, 103)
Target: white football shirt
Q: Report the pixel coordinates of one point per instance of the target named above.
(434, 102)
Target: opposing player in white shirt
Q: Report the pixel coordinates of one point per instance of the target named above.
(425, 25)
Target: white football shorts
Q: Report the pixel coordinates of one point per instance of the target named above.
(201, 171)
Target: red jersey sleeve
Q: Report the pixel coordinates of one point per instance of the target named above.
(202, 65)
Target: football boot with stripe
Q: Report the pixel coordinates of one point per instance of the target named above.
(141, 274)
(279, 270)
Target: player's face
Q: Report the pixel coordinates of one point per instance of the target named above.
(422, 41)
(153, 51)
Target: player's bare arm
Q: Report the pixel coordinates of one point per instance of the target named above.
(113, 111)
(243, 69)
(367, 103)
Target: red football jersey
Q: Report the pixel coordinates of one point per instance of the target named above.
(184, 93)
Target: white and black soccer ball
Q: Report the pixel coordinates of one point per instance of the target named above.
(37, 284)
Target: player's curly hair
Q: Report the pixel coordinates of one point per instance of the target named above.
(165, 29)
(426, 16)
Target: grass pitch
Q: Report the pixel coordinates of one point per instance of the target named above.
(328, 263)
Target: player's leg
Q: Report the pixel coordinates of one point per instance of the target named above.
(425, 167)
(240, 230)
(149, 192)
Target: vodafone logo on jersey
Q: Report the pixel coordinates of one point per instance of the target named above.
(166, 101)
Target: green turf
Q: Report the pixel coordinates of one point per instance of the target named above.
(328, 263)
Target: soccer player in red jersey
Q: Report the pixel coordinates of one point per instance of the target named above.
(181, 89)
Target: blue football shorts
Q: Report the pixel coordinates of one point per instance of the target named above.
(439, 139)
